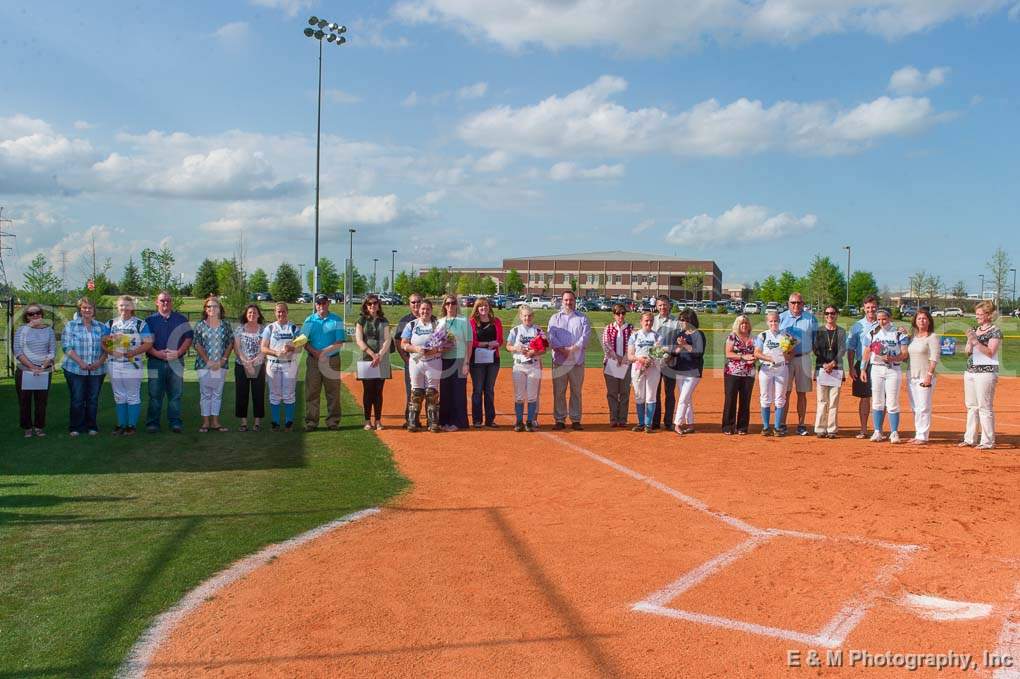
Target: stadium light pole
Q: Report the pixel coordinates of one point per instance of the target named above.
(393, 263)
(847, 307)
(1012, 297)
(349, 277)
(333, 35)
(375, 265)
(982, 295)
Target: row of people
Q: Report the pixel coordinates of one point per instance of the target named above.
(662, 362)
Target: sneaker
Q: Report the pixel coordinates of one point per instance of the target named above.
(129, 431)
(74, 434)
(39, 432)
(276, 427)
(802, 430)
(529, 426)
(152, 430)
(781, 431)
(765, 431)
(877, 437)
(559, 425)
(93, 432)
(689, 429)
(28, 433)
(117, 431)
(894, 437)
(637, 427)
(476, 425)
(288, 427)
(378, 426)
(830, 436)
(861, 435)
(492, 425)
(576, 426)
(649, 430)
(177, 430)
(519, 427)
(368, 426)
(656, 426)
(727, 432)
(741, 432)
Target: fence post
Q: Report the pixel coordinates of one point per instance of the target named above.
(10, 337)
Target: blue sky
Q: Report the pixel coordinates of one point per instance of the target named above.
(457, 132)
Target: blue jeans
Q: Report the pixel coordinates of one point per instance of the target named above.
(84, 401)
(483, 384)
(165, 378)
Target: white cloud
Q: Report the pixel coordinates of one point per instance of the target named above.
(659, 25)
(83, 125)
(35, 158)
(289, 7)
(565, 171)
(642, 227)
(909, 80)
(341, 97)
(233, 35)
(587, 121)
(1014, 12)
(476, 91)
(410, 101)
(493, 162)
(739, 224)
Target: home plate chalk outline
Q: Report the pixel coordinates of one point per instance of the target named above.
(835, 632)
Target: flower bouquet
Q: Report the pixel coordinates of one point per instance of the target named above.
(116, 341)
(300, 341)
(439, 339)
(657, 355)
(539, 343)
(877, 351)
(787, 342)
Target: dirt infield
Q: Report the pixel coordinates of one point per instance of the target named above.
(612, 553)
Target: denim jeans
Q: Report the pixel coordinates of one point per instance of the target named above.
(84, 401)
(166, 378)
(483, 384)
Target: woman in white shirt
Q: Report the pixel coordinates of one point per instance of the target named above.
(773, 374)
(527, 370)
(923, 351)
(885, 350)
(981, 376)
(645, 371)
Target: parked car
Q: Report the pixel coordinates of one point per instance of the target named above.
(498, 301)
(304, 298)
(535, 302)
(391, 298)
(752, 308)
(948, 311)
(468, 300)
(711, 307)
(853, 311)
(771, 306)
(337, 297)
(262, 297)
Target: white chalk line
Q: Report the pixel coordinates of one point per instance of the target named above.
(835, 631)
(1009, 639)
(936, 608)
(138, 659)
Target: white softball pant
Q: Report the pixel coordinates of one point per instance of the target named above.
(425, 374)
(282, 378)
(527, 378)
(685, 400)
(885, 387)
(126, 381)
(210, 391)
(920, 403)
(978, 394)
(646, 383)
(772, 385)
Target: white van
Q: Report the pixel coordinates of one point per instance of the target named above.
(751, 308)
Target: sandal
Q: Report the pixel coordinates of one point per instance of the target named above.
(256, 427)
(243, 427)
(223, 429)
(202, 430)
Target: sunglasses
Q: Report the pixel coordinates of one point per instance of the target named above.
(830, 313)
(449, 304)
(796, 302)
(372, 304)
(30, 314)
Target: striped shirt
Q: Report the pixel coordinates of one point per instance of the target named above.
(86, 342)
(35, 344)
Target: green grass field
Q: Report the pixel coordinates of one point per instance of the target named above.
(99, 535)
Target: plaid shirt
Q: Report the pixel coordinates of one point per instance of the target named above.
(86, 342)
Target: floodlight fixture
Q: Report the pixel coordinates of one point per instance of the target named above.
(309, 32)
(313, 20)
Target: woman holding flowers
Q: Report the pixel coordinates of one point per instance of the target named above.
(526, 343)
(278, 344)
(84, 367)
(980, 379)
(35, 349)
(453, 408)
(738, 377)
(249, 368)
(886, 350)
(616, 366)
(128, 340)
(773, 349)
(214, 340)
(688, 364)
(647, 363)
(423, 340)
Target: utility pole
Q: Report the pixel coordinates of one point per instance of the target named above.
(4, 283)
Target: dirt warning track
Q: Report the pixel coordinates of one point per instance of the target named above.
(611, 553)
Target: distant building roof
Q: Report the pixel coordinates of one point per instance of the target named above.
(612, 256)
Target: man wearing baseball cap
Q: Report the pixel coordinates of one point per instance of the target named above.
(326, 336)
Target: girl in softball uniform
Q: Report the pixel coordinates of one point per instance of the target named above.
(132, 339)
(527, 370)
(281, 366)
(645, 373)
(773, 374)
(425, 368)
(885, 373)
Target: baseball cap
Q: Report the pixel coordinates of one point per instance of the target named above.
(322, 299)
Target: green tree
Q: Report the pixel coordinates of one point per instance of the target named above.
(131, 280)
(433, 283)
(259, 281)
(768, 291)
(329, 277)
(465, 285)
(788, 283)
(359, 281)
(999, 266)
(158, 270)
(916, 283)
(959, 290)
(824, 283)
(206, 282)
(693, 284)
(402, 285)
(286, 284)
(487, 286)
(862, 284)
(514, 284)
(233, 285)
(386, 284)
(41, 283)
(932, 286)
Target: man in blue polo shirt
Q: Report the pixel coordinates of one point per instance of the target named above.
(803, 326)
(172, 337)
(326, 336)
